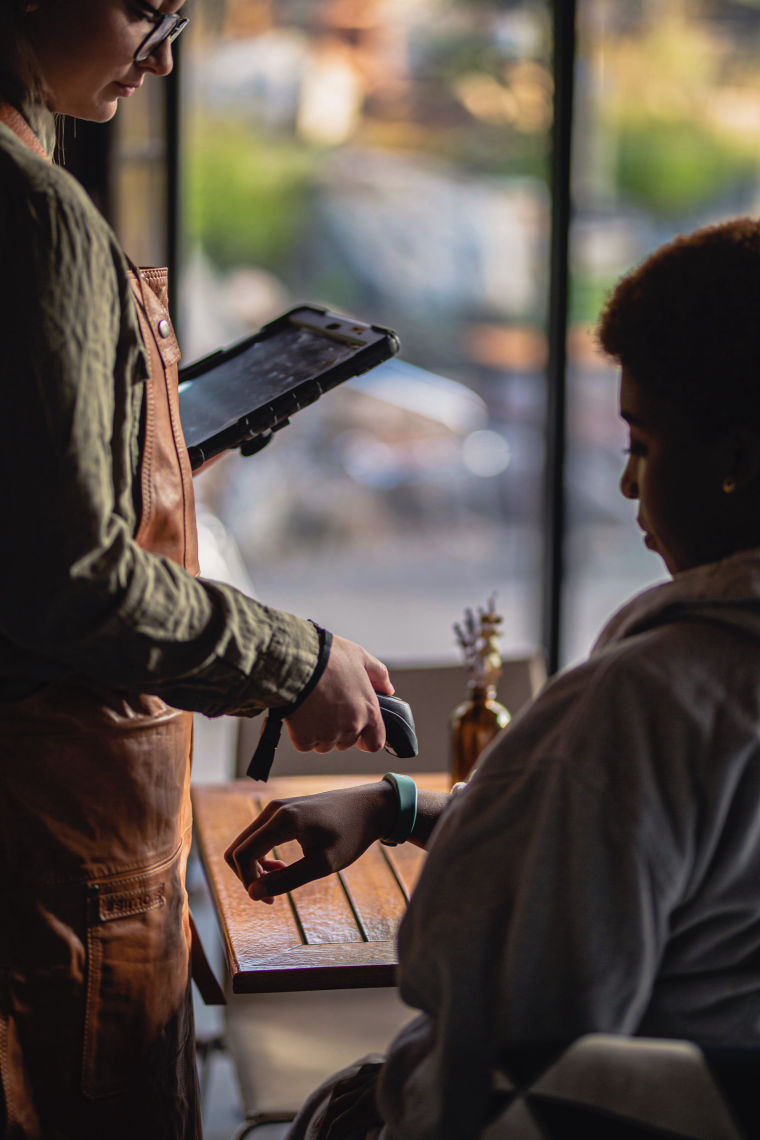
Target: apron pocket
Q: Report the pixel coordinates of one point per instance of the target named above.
(136, 1017)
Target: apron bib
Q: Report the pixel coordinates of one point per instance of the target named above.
(96, 1027)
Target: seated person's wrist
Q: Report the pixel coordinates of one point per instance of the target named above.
(404, 801)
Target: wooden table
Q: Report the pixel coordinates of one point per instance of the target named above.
(336, 933)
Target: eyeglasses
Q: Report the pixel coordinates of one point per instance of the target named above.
(167, 27)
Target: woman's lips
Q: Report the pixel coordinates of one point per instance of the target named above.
(647, 537)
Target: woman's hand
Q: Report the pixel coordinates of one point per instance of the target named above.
(342, 710)
(333, 829)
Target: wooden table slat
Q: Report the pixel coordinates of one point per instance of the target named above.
(324, 911)
(375, 894)
(360, 965)
(220, 814)
(407, 861)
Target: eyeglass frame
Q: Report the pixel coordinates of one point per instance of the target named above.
(167, 26)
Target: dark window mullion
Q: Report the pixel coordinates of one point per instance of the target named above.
(173, 190)
(554, 520)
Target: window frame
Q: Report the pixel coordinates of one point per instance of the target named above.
(168, 218)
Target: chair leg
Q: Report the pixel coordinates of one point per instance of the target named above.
(204, 1051)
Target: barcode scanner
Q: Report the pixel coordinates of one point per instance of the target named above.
(401, 738)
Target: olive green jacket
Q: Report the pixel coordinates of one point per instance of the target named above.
(78, 597)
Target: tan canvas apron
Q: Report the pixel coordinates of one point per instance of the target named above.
(96, 1033)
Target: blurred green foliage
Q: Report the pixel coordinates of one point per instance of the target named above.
(588, 296)
(674, 166)
(246, 191)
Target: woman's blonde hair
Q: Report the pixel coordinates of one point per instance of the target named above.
(18, 66)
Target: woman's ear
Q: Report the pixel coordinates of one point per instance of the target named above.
(742, 459)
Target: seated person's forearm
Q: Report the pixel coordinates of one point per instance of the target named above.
(332, 828)
(430, 806)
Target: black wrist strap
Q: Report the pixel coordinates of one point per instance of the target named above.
(263, 758)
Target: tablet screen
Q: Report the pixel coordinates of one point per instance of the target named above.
(255, 377)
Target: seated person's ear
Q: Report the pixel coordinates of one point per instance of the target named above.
(742, 460)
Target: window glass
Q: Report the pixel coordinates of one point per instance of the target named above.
(138, 161)
(386, 158)
(666, 125)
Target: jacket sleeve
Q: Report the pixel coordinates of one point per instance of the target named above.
(79, 597)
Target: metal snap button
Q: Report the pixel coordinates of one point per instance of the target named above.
(164, 328)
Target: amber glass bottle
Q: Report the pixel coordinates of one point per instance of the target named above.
(474, 724)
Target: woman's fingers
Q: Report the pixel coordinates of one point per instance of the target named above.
(289, 878)
(268, 811)
(258, 840)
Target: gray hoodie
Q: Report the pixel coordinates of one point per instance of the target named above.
(601, 872)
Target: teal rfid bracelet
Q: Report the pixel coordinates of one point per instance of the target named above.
(406, 794)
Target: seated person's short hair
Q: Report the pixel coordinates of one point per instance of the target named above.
(686, 324)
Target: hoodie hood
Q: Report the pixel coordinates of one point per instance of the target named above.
(725, 593)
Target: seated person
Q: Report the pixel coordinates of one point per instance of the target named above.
(600, 871)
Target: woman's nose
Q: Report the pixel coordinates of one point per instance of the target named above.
(160, 62)
(628, 485)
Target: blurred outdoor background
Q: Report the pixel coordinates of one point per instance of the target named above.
(389, 158)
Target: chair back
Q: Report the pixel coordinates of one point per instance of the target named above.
(605, 1085)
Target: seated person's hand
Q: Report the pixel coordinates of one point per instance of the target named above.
(342, 711)
(332, 828)
(264, 865)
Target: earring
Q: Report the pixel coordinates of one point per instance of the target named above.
(729, 485)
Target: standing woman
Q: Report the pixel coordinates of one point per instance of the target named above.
(105, 630)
